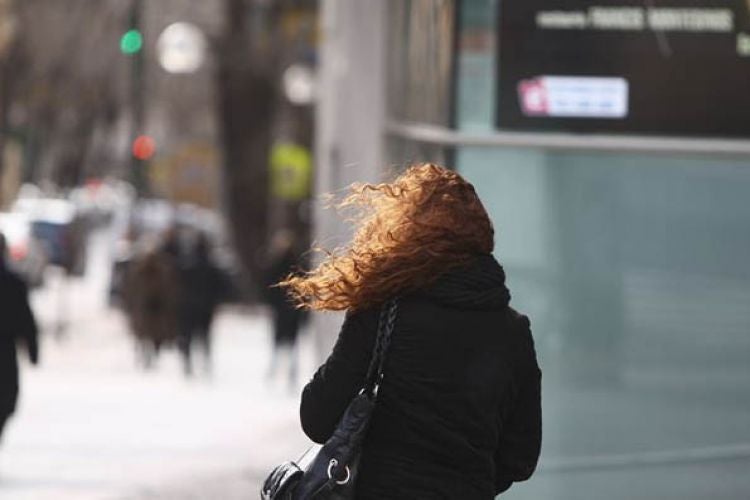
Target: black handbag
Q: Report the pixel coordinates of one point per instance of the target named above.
(332, 471)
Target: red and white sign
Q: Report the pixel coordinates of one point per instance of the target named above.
(574, 97)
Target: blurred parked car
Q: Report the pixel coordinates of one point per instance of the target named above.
(56, 224)
(58, 228)
(26, 253)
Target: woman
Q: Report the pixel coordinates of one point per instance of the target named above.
(283, 258)
(458, 413)
(202, 286)
(151, 293)
(17, 324)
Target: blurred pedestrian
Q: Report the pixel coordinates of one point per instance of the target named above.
(151, 299)
(202, 290)
(286, 318)
(458, 408)
(17, 323)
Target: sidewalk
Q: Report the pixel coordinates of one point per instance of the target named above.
(237, 486)
(92, 426)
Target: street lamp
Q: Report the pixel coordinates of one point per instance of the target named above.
(298, 81)
(181, 48)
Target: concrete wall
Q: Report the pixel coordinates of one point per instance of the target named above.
(350, 119)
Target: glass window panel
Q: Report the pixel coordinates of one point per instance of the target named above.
(475, 66)
(633, 269)
(420, 60)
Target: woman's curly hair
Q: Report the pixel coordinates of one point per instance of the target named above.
(407, 233)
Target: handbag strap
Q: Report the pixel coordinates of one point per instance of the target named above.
(382, 341)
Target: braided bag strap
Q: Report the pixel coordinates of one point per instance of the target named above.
(386, 324)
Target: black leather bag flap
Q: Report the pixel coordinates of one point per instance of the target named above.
(281, 482)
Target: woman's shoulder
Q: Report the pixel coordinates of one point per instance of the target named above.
(523, 340)
(360, 326)
(365, 317)
(520, 321)
(11, 280)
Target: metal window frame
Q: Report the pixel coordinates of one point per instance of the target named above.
(443, 136)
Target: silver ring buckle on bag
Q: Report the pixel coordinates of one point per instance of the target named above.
(333, 463)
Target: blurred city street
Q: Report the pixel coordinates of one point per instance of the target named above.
(92, 425)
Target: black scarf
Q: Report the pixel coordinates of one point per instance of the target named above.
(480, 285)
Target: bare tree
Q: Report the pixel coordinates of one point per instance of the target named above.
(247, 75)
(60, 83)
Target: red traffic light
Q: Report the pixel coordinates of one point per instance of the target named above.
(144, 147)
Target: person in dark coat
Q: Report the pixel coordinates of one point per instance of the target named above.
(151, 295)
(17, 323)
(458, 413)
(202, 290)
(286, 318)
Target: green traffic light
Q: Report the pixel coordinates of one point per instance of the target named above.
(131, 42)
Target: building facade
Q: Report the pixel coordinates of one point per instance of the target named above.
(628, 251)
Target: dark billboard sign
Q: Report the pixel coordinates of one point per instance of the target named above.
(655, 67)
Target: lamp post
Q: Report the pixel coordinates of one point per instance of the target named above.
(131, 44)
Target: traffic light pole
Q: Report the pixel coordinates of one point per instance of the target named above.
(137, 165)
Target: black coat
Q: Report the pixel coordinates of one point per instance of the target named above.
(287, 318)
(202, 290)
(459, 411)
(16, 324)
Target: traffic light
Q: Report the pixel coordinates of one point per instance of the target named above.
(131, 42)
(144, 147)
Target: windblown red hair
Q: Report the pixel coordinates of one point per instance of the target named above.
(408, 232)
